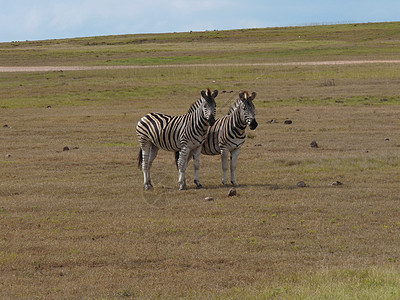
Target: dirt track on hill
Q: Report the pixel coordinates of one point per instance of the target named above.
(12, 69)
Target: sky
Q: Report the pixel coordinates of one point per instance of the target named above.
(22, 20)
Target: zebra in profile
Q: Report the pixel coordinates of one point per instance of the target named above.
(227, 135)
(182, 134)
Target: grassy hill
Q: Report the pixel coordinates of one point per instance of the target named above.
(302, 84)
(331, 42)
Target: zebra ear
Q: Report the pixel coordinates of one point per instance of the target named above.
(243, 95)
(206, 94)
(253, 95)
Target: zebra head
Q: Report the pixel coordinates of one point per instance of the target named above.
(209, 107)
(248, 109)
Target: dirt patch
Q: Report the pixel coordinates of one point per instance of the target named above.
(88, 68)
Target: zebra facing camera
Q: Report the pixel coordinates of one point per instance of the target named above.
(194, 133)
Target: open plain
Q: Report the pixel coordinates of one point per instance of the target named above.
(77, 223)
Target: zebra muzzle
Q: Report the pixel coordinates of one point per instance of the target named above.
(211, 120)
(253, 124)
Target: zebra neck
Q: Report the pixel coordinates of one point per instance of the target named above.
(238, 121)
(196, 117)
(195, 106)
(234, 107)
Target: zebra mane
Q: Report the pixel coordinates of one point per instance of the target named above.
(195, 105)
(234, 106)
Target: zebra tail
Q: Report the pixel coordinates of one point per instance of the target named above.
(140, 158)
(176, 159)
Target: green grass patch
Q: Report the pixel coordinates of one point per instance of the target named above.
(162, 60)
(7, 257)
(332, 284)
(339, 165)
(331, 101)
(375, 40)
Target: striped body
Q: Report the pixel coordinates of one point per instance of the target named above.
(227, 135)
(184, 134)
(172, 132)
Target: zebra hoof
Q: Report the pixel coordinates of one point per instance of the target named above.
(148, 186)
(182, 187)
(198, 184)
(234, 184)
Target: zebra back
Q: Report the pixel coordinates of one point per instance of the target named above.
(172, 132)
(161, 130)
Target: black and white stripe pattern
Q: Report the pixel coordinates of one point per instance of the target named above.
(184, 134)
(227, 135)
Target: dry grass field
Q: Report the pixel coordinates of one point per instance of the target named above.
(77, 224)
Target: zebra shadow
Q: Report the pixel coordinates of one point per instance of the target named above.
(267, 186)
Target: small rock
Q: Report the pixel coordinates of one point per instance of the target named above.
(5, 126)
(232, 192)
(337, 182)
(301, 184)
(314, 144)
(288, 122)
(257, 145)
(273, 121)
(387, 139)
(329, 82)
(66, 148)
(8, 155)
(209, 198)
(48, 106)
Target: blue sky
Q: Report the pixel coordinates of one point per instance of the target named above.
(50, 19)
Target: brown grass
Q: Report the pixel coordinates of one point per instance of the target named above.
(77, 224)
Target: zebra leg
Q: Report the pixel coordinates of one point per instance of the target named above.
(146, 149)
(225, 165)
(234, 157)
(196, 164)
(152, 156)
(182, 163)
